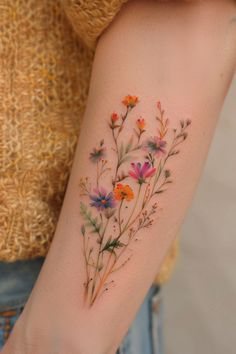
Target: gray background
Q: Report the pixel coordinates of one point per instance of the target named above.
(200, 298)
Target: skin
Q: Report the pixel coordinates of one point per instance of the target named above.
(183, 54)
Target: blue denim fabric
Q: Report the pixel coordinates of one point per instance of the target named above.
(145, 336)
(17, 280)
(7, 321)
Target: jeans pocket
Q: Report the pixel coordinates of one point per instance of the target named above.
(156, 312)
(8, 319)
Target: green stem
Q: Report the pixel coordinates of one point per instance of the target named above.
(96, 271)
(135, 205)
(86, 266)
(97, 173)
(119, 215)
(145, 193)
(115, 138)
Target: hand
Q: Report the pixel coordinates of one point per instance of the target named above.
(44, 329)
(50, 322)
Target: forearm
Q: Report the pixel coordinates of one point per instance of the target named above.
(155, 60)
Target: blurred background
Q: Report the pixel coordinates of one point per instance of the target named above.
(200, 298)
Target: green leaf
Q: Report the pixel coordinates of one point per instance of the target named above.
(83, 230)
(110, 245)
(160, 191)
(91, 222)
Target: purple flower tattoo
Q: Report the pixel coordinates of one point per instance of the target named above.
(102, 200)
(114, 217)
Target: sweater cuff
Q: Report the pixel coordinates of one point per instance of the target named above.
(89, 18)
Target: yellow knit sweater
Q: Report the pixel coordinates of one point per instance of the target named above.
(46, 53)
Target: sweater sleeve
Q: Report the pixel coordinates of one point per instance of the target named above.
(89, 18)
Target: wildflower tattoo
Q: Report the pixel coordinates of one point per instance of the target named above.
(114, 213)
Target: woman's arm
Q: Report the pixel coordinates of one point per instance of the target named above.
(120, 217)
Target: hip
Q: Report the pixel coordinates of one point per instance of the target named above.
(145, 334)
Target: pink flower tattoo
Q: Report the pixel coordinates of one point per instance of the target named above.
(121, 198)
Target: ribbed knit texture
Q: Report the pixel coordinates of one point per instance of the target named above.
(46, 53)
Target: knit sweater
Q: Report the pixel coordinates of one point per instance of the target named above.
(46, 54)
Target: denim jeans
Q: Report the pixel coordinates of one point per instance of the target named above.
(145, 335)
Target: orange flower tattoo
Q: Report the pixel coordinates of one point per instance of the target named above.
(115, 212)
(141, 124)
(123, 192)
(130, 101)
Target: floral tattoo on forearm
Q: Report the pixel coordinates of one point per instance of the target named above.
(114, 213)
